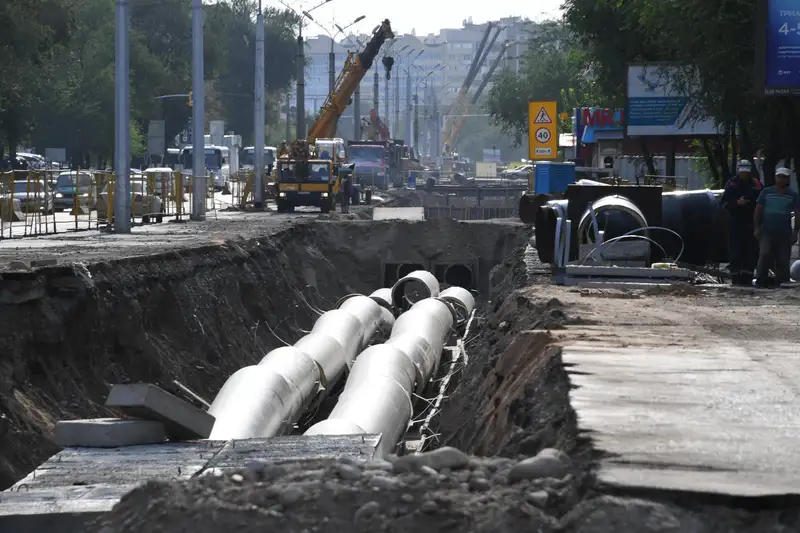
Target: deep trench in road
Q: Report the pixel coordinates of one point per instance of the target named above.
(198, 315)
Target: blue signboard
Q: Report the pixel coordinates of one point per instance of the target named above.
(783, 47)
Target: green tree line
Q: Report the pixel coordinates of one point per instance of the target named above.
(57, 75)
(584, 58)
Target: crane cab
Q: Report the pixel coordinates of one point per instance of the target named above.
(311, 182)
(334, 149)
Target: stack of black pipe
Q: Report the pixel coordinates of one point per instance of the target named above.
(694, 215)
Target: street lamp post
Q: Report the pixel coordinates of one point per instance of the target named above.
(122, 219)
(332, 54)
(258, 113)
(198, 116)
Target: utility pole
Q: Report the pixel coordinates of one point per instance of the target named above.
(258, 115)
(288, 115)
(407, 136)
(301, 86)
(397, 104)
(376, 91)
(331, 69)
(436, 151)
(386, 98)
(416, 121)
(357, 113)
(198, 116)
(122, 217)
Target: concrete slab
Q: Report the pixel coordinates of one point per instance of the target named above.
(627, 272)
(398, 213)
(703, 419)
(108, 432)
(77, 486)
(182, 420)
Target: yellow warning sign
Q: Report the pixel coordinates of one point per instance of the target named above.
(542, 131)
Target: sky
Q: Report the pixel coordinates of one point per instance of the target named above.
(423, 16)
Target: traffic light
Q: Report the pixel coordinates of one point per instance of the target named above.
(191, 100)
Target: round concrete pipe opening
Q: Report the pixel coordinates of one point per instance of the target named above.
(459, 276)
(407, 268)
(414, 287)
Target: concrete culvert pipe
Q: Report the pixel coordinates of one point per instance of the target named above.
(414, 287)
(459, 275)
(378, 398)
(461, 300)
(407, 268)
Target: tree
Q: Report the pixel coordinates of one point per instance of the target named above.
(714, 41)
(31, 32)
(553, 68)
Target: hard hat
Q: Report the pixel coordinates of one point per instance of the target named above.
(783, 171)
(744, 166)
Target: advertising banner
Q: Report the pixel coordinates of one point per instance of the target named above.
(656, 108)
(782, 62)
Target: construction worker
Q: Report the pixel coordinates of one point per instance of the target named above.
(773, 228)
(346, 191)
(739, 200)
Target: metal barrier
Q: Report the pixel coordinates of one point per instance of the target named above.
(43, 202)
(470, 213)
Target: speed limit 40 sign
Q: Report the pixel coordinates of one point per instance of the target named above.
(542, 130)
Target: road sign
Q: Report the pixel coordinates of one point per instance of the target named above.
(542, 130)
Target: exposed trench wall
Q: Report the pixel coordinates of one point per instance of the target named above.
(69, 332)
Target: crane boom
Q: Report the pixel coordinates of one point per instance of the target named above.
(461, 100)
(484, 82)
(355, 67)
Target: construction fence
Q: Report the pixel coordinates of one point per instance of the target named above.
(44, 202)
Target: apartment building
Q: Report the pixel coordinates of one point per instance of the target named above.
(431, 67)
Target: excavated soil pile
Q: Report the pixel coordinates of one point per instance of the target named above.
(196, 315)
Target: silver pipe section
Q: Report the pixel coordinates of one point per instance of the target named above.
(616, 203)
(413, 288)
(462, 301)
(266, 399)
(377, 397)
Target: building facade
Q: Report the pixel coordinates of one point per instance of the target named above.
(427, 70)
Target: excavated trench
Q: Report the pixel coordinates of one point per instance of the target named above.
(198, 315)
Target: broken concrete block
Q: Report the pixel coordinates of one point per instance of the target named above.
(183, 421)
(108, 433)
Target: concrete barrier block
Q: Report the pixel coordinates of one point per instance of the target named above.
(108, 433)
(182, 420)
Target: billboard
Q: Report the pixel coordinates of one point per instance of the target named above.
(587, 121)
(656, 108)
(542, 131)
(782, 51)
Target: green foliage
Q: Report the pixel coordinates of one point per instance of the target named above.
(57, 84)
(553, 68)
(714, 40)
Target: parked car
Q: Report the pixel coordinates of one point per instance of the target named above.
(143, 205)
(33, 196)
(70, 184)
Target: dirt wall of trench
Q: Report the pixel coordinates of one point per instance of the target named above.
(68, 333)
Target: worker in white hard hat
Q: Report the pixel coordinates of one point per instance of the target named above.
(773, 228)
(739, 200)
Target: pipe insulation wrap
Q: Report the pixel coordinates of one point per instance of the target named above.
(461, 300)
(254, 402)
(379, 390)
(413, 288)
(383, 296)
(609, 211)
(330, 426)
(264, 400)
(695, 215)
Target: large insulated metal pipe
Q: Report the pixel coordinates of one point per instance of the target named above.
(694, 215)
(377, 397)
(414, 287)
(615, 215)
(266, 399)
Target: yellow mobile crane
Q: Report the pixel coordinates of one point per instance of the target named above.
(302, 178)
